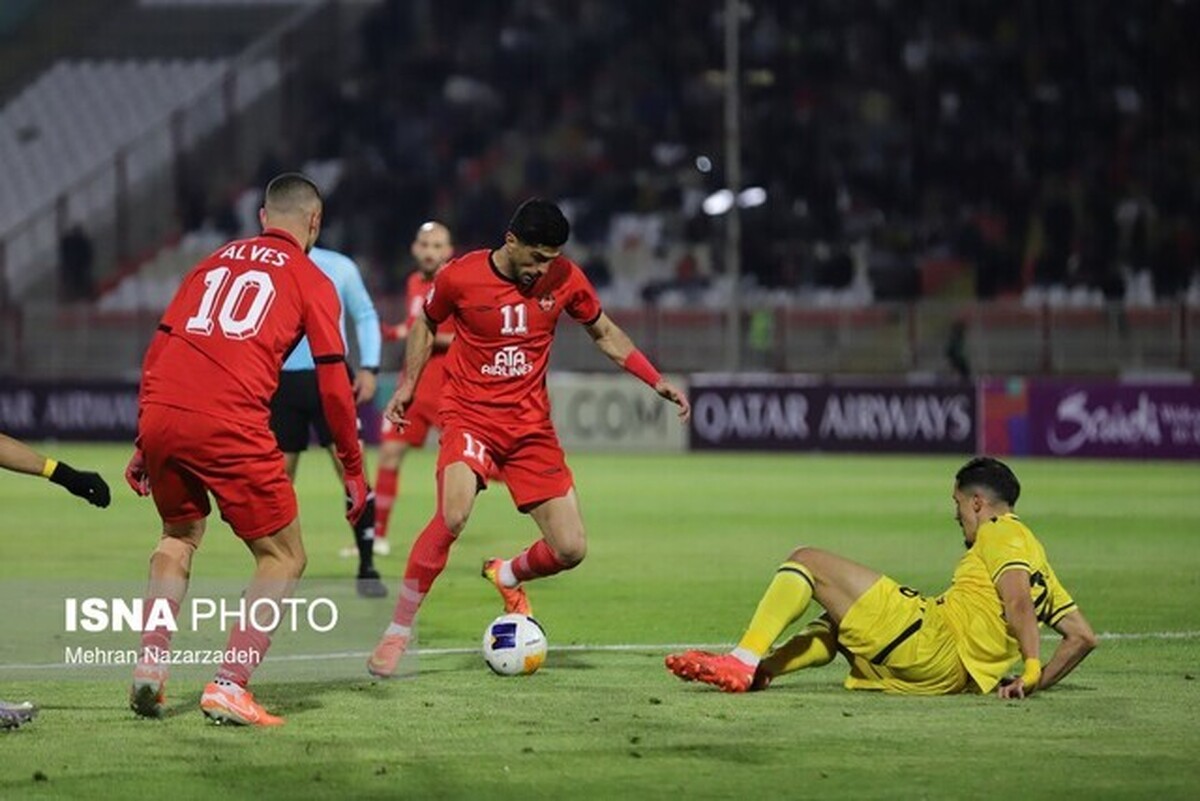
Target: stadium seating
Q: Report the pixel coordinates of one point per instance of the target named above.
(71, 123)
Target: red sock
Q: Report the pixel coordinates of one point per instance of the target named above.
(248, 647)
(426, 561)
(536, 561)
(387, 487)
(156, 642)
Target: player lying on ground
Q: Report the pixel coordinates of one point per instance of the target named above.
(895, 639)
(20, 458)
(495, 411)
(296, 406)
(207, 382)
(431, 247)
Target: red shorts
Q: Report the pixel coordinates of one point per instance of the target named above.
(189, 454)
(530, 459)
(421, 416)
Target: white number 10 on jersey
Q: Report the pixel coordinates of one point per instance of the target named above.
(251, 319)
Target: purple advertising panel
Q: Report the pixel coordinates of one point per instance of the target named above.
(1110, 420)
(790, 415)
(69, 411)
(95, 412)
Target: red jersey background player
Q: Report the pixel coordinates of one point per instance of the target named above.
(495, 410)
(207, 382)
(431, 247)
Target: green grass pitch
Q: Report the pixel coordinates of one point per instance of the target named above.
(680, 549)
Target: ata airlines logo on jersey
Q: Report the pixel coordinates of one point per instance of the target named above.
(510, 362)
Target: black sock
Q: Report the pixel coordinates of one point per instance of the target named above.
(364, 535)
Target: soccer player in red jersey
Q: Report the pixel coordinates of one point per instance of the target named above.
(207, 382)
(431, 247)
(495, 411)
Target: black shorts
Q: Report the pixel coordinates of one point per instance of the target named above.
(296, 408)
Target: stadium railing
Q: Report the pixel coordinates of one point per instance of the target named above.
(45, 340)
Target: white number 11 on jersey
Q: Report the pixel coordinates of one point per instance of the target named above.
(474, 449)
(510, 312)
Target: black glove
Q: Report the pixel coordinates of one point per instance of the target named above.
(89, 486)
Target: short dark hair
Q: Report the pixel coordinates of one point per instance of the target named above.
(290, 191)
(540, 222)
(991, 474)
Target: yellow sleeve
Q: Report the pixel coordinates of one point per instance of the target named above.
(1003, 547)
(1060, 601)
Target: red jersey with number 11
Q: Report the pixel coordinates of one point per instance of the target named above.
(496, 365)
(232, 322)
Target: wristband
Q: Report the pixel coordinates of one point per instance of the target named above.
(49, 467)
(1032, 673)
(636, 364)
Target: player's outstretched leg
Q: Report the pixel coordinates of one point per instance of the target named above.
(426, 561)
(815, 645)
(13, 716)
(786, 598)
(562, 547)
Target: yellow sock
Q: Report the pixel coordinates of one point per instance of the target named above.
(785, 600)
(814, 646)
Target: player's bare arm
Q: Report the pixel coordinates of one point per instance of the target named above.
(614, 343)
(19, 457)
(1078, 640)
(364, 385)
(1013, 587)
(416, 355)
(396, 333)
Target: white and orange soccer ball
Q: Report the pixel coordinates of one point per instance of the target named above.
(514, 645)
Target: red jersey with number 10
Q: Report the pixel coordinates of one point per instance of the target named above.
(235, 317)
(496, 366)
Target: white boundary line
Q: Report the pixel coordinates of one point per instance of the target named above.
(591, 648)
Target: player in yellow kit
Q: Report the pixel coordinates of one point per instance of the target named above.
(897, 640)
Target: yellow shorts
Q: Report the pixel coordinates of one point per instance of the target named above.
(897, 642)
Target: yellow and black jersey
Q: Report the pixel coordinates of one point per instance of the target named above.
(972, 607)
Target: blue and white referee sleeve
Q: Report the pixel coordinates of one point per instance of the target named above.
(352, 293)
(357, 303)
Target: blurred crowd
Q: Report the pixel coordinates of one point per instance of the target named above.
(1044, 150)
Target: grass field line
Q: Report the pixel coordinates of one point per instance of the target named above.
(606, 648)
(681, 646)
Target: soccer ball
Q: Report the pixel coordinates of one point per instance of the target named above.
(514, 645)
